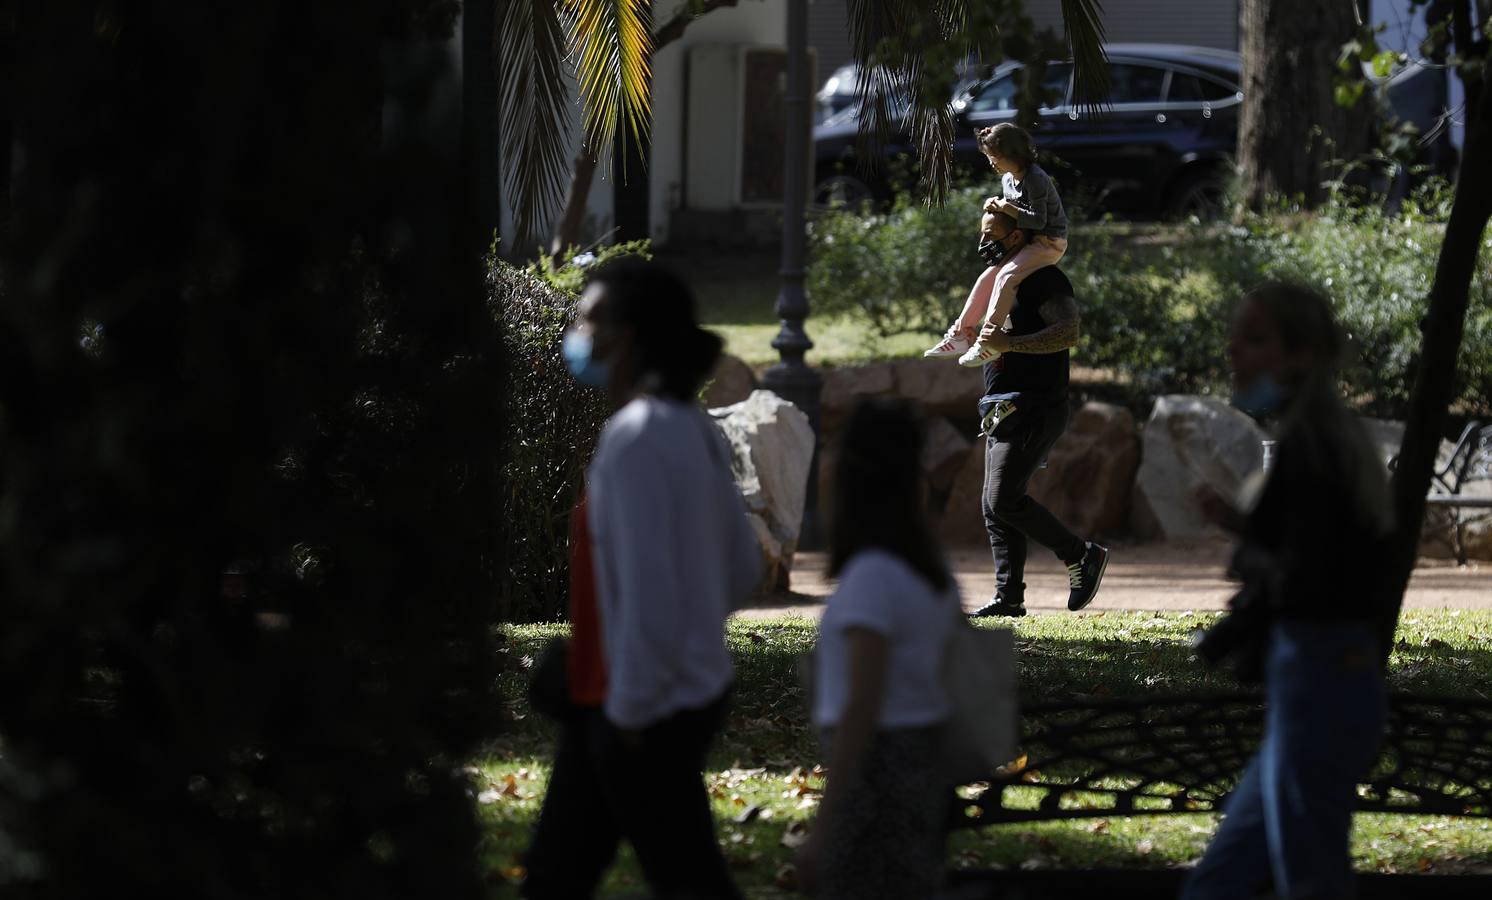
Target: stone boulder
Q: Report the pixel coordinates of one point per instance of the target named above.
(1087, 482)
(1190, 441)
(772, 449)
(843, 386)
(939, 386)
(1089, 478)
(944, 453)
(962, 523)
(730, 383)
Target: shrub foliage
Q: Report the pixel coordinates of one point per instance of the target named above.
(1156, 302)
(554, 423)
(248, 539)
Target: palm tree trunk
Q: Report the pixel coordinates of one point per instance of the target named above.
(567, 228)
(1443, 325)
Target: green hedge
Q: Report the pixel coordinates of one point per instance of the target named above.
(1156, 300)
(554, 423)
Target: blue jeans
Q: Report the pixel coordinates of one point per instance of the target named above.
(1287, 824)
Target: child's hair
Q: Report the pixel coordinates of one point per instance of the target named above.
(1009, 141)
(878, 500)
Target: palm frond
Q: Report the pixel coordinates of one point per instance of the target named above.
(1083, 21)
(611, 43)
(534, 109)
(933, 132)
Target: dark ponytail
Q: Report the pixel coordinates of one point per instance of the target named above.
(877, 496)
(659, 307)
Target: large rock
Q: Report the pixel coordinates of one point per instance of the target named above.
(940, 385)
(1089, 478)
(1087, 482)
(772, 448)
(962, 523)
(943, 453)
(844, 386)
(730, 383)
(1189, 442)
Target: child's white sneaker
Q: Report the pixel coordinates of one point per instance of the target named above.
(977, 355)
(954, 343)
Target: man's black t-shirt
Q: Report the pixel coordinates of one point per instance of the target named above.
(1035, 372)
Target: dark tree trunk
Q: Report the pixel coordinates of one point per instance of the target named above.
(479, 114)
(1443, 325)
(1292, 130)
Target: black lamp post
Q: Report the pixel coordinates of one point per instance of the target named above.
(791, 378)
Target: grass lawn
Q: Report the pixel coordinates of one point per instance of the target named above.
(764, 777)
(737, 294)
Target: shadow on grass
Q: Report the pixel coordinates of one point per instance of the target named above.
(762, 783)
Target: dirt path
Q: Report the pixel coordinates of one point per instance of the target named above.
(1170, 576)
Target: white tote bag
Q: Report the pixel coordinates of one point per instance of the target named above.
(980, 677)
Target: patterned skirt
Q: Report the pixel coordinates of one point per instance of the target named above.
(887, 841)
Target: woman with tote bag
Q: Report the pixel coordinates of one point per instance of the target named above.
(879, 693)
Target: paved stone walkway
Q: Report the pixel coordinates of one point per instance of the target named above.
(1169, 576)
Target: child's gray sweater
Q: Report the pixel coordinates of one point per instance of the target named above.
(1038, 206)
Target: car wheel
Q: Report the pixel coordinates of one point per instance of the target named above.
(1199, 195)
(842, 191)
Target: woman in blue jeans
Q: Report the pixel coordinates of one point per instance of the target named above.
(1310, 533)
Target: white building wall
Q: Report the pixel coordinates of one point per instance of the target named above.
(751, 23)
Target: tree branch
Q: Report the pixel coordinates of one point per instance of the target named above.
(674, 28)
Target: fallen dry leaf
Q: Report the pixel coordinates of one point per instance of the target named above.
(1145, 847)
(1100, 827)
(748, 815)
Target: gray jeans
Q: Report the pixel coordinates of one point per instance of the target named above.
(1011, 455)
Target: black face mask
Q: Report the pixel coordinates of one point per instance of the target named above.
(994, 252)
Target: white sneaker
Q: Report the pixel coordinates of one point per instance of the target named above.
(954, 343)
(977, 355)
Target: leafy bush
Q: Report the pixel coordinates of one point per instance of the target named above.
(1377, 268)
(566, 272)
(1156, 301)
(553, 426)
(905, 270)
(249, 551)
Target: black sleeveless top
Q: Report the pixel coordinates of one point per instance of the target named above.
(1034, 372)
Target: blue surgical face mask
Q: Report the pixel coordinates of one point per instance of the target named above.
(1264, 396)
(576, 349)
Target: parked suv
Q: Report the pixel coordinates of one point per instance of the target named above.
(1160, 148)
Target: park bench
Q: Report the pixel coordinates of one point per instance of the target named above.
(1447, 503)
(1469, 461)
(1151, 756)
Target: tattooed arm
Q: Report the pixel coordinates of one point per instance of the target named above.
(1061, 332)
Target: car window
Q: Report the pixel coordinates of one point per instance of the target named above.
(1214, 91)
(996, 96)
(1054, 84)
(1184, 88)
(1135, 84)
